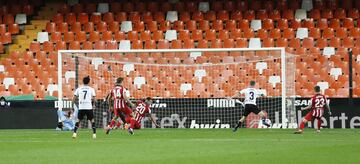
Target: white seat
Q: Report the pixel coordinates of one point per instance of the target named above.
(255, 43)
(103, 8)
(2, 68)
(72, 2)
(200, 73)
(172, 16)
(185, 87)
(97, 62)
(261, 66)
(323, 85)
(300, 14)
(302, 33)
(307, 5)
(125, 45)
(8, 81)
(128, 68)
(255, 24)
(194, 55)
(358, 59)
(138, 81)
(20, 19)
(263, 91)
(51, 88)
(126, 26)
(170, 35)
(204, 6)
(274, 79)
(328, 51)
(42, 37)
(68, 75)
(336, 72)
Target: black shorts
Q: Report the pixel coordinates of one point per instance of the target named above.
(88, 113)
(251, 108)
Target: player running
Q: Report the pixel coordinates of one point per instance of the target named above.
(251, 93)
(119, 100)
(86, 97)
(142, 109)
(317, 105)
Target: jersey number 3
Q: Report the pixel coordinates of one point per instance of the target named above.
(251, 95)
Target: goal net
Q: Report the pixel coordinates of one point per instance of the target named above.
(189, 86)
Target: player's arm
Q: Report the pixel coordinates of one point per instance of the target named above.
(127, 100)
(152, 119)
(327, 106)
(308, 107)
(93, 98)
(75, 96)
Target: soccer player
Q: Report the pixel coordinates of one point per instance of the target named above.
(86, 97)
(67, 120)
(119, 100)
(317, 105)
(142, 109)
(251, 93)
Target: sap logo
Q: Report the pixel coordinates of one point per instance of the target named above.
(220, 103)
(157, 104)
(305, 102)
(217, 125)
(65, 104)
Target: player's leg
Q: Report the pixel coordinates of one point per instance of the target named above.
(307, 118)
(319, 121)
(113, 121)
(133, 125)
(80, 117)
(61, 117)
(242, 119)
(90, 116)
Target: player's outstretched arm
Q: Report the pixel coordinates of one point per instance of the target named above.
(308, 107)
(327, 106)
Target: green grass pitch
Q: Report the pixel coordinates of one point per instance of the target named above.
(183, 146)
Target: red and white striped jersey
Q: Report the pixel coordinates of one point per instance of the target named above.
(118, 94)
(318, 103)
(141, 110)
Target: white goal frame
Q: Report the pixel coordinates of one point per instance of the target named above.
(281, 49)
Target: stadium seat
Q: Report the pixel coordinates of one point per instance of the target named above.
(184, 88)
(126, 26)
(200, 73)
(302, 33)
(139, 81)
(300, 14)
(261, 66)
(335, 72)
(7, 81)
(323, 85)
(282, 24)
(125, 45)
(307, 5)
(255, 24)
(20, 19)
(255, 43)
(42, 37)
(171, 35)
(51, 88)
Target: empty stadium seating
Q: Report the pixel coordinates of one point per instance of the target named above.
(319, 32)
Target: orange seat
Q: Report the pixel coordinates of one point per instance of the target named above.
(204, 25)
(249, 15)
(184, 16)
(328, 33)
(120, 16)
(80, 36)
(295, 24)
(274, 14)
(244, 24)
(178, 25)
(282, 24)
(262, 34)
(106, 36)
(261, 14)
(163, 44)
(69, 36)
(223, 34)
(321, 43)
(348, 23)
(236, 15)
(111, 45)
(137, 44)
(145, 35)
(322, 24)
(94, 36)
(34, 46)
(268, 42)
(165, 25)
(275, 33)
(62, 27)
(50, 27)
(294, 43)
(87, 45)
(191, 25)
(348, 42)
(108, 17)
(314, 14)
(241, 43)
(210, 15)
(334, 23)
(197, 16)
(196, 35)
(340, 13)
(327, 13)
(235, 34)
(210, 34)
(89, 27)
(74, 45)
(119, 35)
(353, 13)
(83, 18)
(202, 44)
(288, 33)
(176, 44)
(249, 33)
(282, 42)
(184, 35)
(216, 43)
(189, 43)
(308, 43)
(139, 26)
(60, 45)
(134, 16)
(150, 44)
(288, 14)
(335, 42)
(354, 32)
(314, 33)
(230, 25)
(70, 18)
(222, 15)
(217, 25)
(267, 24)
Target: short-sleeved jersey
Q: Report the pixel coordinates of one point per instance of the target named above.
(141, 110)
(85, 95)
(118, 94)
(318, 105)
(250, 95)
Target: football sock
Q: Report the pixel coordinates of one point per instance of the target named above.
(112, 123)
(76, 127)
(60, 125)
(238, 125)
(132, 123)
(318, 123)
(93, 127)
(302, 125)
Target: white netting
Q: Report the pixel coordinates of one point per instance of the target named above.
(189, 87)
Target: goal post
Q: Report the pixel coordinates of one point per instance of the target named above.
(187, 83)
